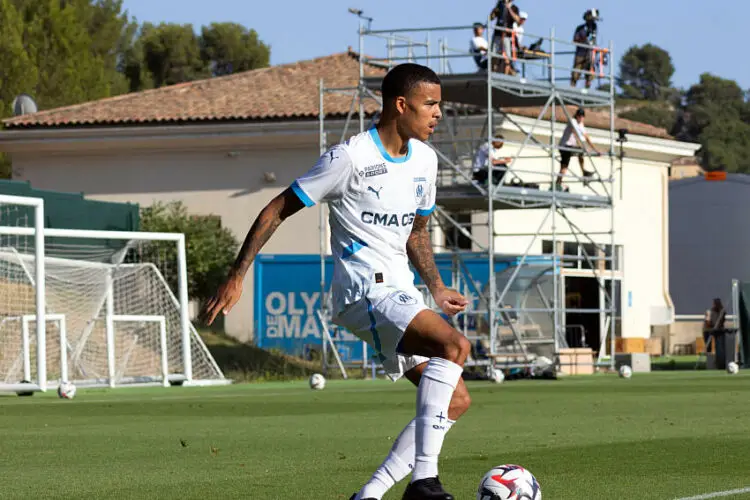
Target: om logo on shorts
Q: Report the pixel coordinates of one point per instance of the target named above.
(403, 299)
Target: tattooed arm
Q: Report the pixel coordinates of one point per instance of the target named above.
(270, 218)
(419, 250)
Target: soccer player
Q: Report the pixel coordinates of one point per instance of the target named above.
(380, 187)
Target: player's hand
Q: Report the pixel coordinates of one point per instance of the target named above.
(225, 298)
(450, 301)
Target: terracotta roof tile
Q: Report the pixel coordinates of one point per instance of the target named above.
(288, 91)
(595, 118)
(278, 92)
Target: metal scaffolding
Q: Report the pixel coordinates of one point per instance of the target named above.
(521, 312)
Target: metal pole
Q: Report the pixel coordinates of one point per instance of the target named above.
(322, 145)
(555, 262)
(490, 193)
(427, 48)
(110, 329)
(187, 357)
(361, 76)
(41, 306)
(613, 298)
(736, 323)
(63, 348)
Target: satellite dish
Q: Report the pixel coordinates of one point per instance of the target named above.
(24, 104)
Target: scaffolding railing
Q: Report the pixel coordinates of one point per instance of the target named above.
(520, 318)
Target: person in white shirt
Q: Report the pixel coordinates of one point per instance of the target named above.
(478, 46)
(486, 154)
(518, 28)
(572, 142)
(380, 189)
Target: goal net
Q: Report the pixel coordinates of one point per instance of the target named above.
(114, 306)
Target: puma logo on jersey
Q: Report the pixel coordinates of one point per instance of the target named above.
(387, 220)
(377, 193)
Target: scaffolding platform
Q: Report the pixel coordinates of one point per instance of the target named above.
(520, 308)
(466, 197)
(507, 91)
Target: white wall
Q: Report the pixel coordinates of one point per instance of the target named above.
(639, 222)
(208, 182)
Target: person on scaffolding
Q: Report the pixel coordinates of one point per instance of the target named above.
(507, 14)
(478, 47)
(585, 34)
(572, 142)
(486, 153)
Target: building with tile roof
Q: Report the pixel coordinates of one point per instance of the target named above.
(228, 145)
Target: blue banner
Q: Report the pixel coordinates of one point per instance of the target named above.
(287, 298)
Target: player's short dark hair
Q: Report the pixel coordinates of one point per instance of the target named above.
(402, 79)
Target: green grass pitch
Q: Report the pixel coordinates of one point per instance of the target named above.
(656, 436)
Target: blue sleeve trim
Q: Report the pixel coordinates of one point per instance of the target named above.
(301, 194)
(425, 211)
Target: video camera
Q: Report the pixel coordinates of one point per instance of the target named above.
(592, 15)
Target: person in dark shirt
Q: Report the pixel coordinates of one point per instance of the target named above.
(585, 34)
(506, 14)
(714, 322)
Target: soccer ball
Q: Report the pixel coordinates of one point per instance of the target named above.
(66, 390)
(317, 382)
(496, 375)
(626, 371)
(732, 367)
(509, 482)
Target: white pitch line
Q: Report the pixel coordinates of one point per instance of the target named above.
(717, 494)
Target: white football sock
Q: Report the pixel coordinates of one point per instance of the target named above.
(394, 468)
(434, 394)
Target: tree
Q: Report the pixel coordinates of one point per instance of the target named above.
(210, 248)
(19, 73)
(230, 48)
(59, 44)
(165, 55)
(711, 97)
(112, 35)
(726, 145)
(17, 63)
(646, 73)
(716, 114)
(656, 114)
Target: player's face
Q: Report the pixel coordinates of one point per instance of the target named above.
(420, 111)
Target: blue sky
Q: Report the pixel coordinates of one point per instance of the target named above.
(700, 36)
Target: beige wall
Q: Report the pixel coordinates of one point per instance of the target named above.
(219, 169)
(640, 218)
(208, 182)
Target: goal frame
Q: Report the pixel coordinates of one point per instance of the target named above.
(40, 233)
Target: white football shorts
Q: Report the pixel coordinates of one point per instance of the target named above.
(380, 319)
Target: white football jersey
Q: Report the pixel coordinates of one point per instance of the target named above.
(373, 200)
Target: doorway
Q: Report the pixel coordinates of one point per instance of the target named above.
(582, 328)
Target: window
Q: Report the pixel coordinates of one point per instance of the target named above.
(586, 255)
(454, 237)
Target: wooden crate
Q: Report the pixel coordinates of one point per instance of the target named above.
(630, 345)
(577, 361)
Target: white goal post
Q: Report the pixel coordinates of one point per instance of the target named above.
(106, 296)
